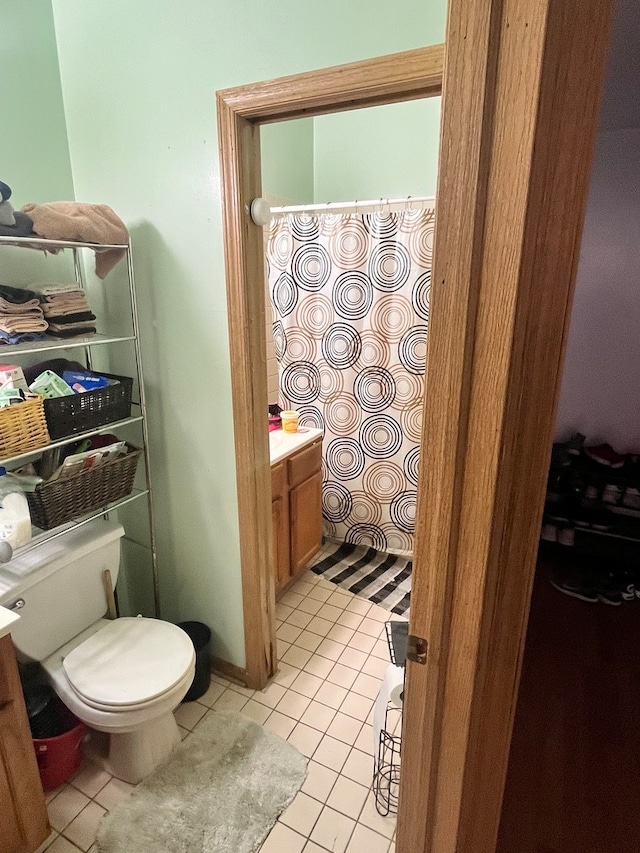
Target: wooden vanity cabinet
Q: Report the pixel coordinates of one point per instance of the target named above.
(296, 500)
(24, 824)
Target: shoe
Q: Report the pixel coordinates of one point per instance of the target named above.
(609, 589)
(575, 443)
(566, 536)
(611, 494)
(631, 497)
(575, 586)
(604, 454)
(549, 532)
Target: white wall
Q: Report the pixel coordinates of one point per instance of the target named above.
(601, 382)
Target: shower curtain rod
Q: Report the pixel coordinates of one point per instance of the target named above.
(409, 201)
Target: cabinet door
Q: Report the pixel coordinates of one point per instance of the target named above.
(305, 505)
(280, 526)
(23, 813)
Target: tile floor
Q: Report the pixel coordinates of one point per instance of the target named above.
(333, 653)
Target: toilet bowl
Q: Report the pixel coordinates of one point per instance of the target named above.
(122, 677)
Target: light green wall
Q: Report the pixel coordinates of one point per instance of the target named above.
(139, 83)
(381, 152)
(287, 160)
(34, 155)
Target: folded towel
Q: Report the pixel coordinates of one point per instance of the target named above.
(53, 288)
(79, 318)
(65, 310)
(70, 296)
(7, 307)
(66, 332)
(7, 338)
(22, 228)
(22, 313)
(15, 324)
(88, 223)
(17, 295)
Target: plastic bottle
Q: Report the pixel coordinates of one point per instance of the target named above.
(15, 521)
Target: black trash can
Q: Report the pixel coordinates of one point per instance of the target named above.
(201, 638)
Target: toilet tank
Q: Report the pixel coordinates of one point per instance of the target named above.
(62, 587)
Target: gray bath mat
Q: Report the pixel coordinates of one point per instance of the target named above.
(220, 791)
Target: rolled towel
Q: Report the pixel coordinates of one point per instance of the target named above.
(87, 223)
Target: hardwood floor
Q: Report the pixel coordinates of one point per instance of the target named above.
(574, 774)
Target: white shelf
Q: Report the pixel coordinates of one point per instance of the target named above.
(63, 344)
(43, 243)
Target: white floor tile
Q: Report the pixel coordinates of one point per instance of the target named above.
(320, 593)
(279, 724)
(360, 606)
(312, 847)
(350, 620)
(307, 684)
(305, 739)
(256, 712)
(339, 599)
(286, 674)
(230, 701)
(66, 806)
(344, 728)
(90, 779)
(296, 657)
(288, 633)
(293, 705)
(329, 612)
(362, 642)
(348, 797)
(283, 838)
(364, 741)
(352, 658)
(82, 830)
(282, 611)
(302, 814)
(318, 716)
(320, 626)
(112, 793)
(357, 706)
(371, 627)
(189, 714)
(359, 768)
(332, 830)
(341, 634)
(381, 650)
(291, 599)
(281, 648)
(332, 753)
(271, 695)
(330, 649)
(369, 817)
(319, 782)
(310, 605)
(365, 839)
(302, 587)
(342, 675)
(299, 618)
(380, 614)
(331, 694)
(61, 845)
(319, 666)
(375, 666)
(214, 692)
(366, 685)
(309, 641)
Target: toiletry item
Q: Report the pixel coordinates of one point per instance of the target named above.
(11, 376)
(289, 420)
(9, 396)
(49, 384)
(85, 380)
(15, 521)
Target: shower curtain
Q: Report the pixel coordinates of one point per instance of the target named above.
(350, 294)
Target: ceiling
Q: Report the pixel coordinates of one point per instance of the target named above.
(621, 103)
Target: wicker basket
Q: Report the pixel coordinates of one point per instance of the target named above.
(58, 501)
(89, 409)
(23, 427)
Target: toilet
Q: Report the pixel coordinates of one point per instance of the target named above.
(122, 677)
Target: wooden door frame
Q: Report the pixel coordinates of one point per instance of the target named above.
(523, 80)
(241, 111)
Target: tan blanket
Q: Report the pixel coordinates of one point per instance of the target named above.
(87, 223)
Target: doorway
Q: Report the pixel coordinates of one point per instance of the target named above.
(504, 251)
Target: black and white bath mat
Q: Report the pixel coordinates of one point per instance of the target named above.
(379, 577)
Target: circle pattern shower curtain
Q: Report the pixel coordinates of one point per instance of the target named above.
(350, 294)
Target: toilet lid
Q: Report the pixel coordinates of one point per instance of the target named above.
(129, 661)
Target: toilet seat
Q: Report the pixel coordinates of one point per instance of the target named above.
(129, 663)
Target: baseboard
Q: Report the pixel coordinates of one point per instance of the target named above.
(228, 670)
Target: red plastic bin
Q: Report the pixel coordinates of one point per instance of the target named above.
(60, 757)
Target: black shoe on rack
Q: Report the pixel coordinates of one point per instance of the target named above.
(609, 589)
(574, 584)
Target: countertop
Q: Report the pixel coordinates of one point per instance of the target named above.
(283, 444)
(7, 618)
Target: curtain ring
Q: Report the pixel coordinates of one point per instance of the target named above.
(408, 204)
